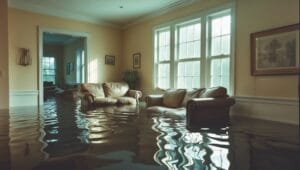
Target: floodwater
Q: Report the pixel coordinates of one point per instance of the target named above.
(60, 136)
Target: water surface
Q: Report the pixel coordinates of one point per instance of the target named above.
(60, 136)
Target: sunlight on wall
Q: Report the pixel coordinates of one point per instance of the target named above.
(93, 71)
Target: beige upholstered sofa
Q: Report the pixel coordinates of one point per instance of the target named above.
(108, 93)
(202, 107)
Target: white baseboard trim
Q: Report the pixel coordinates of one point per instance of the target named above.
(285, 110)
(23, 98)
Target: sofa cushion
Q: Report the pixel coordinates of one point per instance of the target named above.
(105, 100)
(214, 92)
(125, 100)
(190, 94)
(93, 88)
(115, 89)
(173, 98)
(181, 111)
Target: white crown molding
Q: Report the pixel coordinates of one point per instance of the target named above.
(60, 13)
(161, 11)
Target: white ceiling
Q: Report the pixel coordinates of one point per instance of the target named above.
(113, 12)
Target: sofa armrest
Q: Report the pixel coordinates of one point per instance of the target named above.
(197, 103)
(154, 100)
(208, 112)
(135, 94)
(87, 98)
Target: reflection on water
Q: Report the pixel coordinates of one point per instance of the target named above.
(62, 137)
(65, 128)
(181, 149)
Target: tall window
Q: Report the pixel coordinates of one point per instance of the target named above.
(162, 58)
(219, 49)
(49, 69)
(194, 53)
(80, 66)
(188, 54)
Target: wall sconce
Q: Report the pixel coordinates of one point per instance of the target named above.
(25, 58)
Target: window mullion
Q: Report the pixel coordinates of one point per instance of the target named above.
(173, 66)
(203, 49)
(156, 47)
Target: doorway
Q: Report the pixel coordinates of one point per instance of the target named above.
(62, 62)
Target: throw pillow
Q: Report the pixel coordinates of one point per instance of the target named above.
(190, 94)
(214, 92)
(115, 89)
(173, 98)
(93, 88)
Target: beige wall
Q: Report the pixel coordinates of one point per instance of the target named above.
(23, 32)
(3, 55)
(251, 16)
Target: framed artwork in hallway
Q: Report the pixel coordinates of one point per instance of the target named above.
(136, 60)
(110, 60)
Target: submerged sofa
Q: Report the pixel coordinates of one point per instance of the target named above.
(108, 93)
(204, 107)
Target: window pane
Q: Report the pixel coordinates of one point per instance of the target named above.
(216, 27)
(190, 49)
(225, 44)
(197, 48)
(189, 41)
(220, 72)
(188, 74)
(49, 72)
(220, 35)
(216, 46)
(225, 72)
(183, 50)
(226, 21)
(163, 75)
(197, 31)
(163, 45)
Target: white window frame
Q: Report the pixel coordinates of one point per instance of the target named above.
(209, 56)
(176, 56)
(205, 66)
(156, 53)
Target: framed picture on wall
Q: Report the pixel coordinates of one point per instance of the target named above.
(275, 51)
(69, 68)
(136, 60)
(109, 60)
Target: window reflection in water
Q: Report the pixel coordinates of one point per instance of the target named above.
(180, 149)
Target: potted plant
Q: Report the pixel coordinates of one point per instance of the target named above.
(132, 78)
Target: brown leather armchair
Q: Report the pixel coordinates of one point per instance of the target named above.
(208, 112)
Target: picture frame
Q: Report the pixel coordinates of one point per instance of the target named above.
(275, 51)
(69, 68)
(110, 60)
(136, 60)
